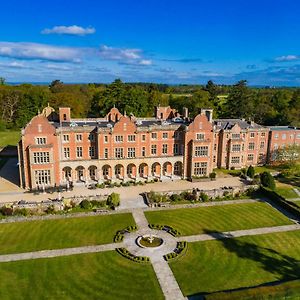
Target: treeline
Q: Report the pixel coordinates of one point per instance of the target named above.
(269, 106)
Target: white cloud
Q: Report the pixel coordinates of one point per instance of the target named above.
(12, 64)
(145, 62)
(124, 55)
(286, 58)
(40, 51)
(71, 30)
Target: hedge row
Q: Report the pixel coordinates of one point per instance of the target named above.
(179, 251)
(167, 228)
(281, 201)
(140, 259)
(120, 234)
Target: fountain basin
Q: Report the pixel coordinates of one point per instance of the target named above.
(149, 241)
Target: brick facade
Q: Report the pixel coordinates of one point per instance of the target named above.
(57, 150)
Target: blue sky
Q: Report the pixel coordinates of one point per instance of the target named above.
(159, 41)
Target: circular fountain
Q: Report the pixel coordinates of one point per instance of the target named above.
(149, 241)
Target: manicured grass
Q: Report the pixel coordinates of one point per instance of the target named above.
(261, 169)
(105, 275)
(9, 138)
(286, 192)
(61, 233)
(241, 262)
(189, 221)
(284, 290)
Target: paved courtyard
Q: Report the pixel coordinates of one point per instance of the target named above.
(130, 196)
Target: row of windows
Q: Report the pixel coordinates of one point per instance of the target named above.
(250, 158)
(119, 152)
(120, 138)
(237, 136)
(41, 157)
(284, 136)
(251, 146)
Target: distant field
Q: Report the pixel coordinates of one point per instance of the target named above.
(287, 192)
(9, 138)
(105, 275)
(61, 233)
(241, 262)
(189, 221)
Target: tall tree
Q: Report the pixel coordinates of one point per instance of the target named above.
(240, 102)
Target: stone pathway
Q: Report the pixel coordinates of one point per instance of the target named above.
(139, 218)
(167, 280)
(59, 252)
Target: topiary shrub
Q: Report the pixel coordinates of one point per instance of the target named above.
(250, 172)
(267, 180)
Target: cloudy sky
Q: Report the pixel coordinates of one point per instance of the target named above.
(167, 41)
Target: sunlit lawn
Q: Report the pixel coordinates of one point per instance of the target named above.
(189, 221)
(105, 275)
(241, 262)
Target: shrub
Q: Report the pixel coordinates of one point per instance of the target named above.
(113, 200)
(250, 172)
(175, 197)
(203, 197)
(21, 212)
(100, 185)
(140, 259)
(213, 175)
(50, 209)
(6, 211)
(267, 180)
(85, 204)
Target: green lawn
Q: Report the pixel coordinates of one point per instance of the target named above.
(189, 221)
(241, 262)
(9, 138)
(61, 233)
(105, 275)
(286, 192)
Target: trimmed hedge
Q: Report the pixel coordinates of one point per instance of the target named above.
(119, 237)
(166, 228)
(281, 201)
(179, 251)
(139, 259)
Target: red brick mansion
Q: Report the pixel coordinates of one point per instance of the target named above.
(57, 150)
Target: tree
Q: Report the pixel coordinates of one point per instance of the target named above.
(113, 200)
(240, 102)
(289, 154)
(267, 180)
(56, 86)
(2, 81)
(250, 172)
